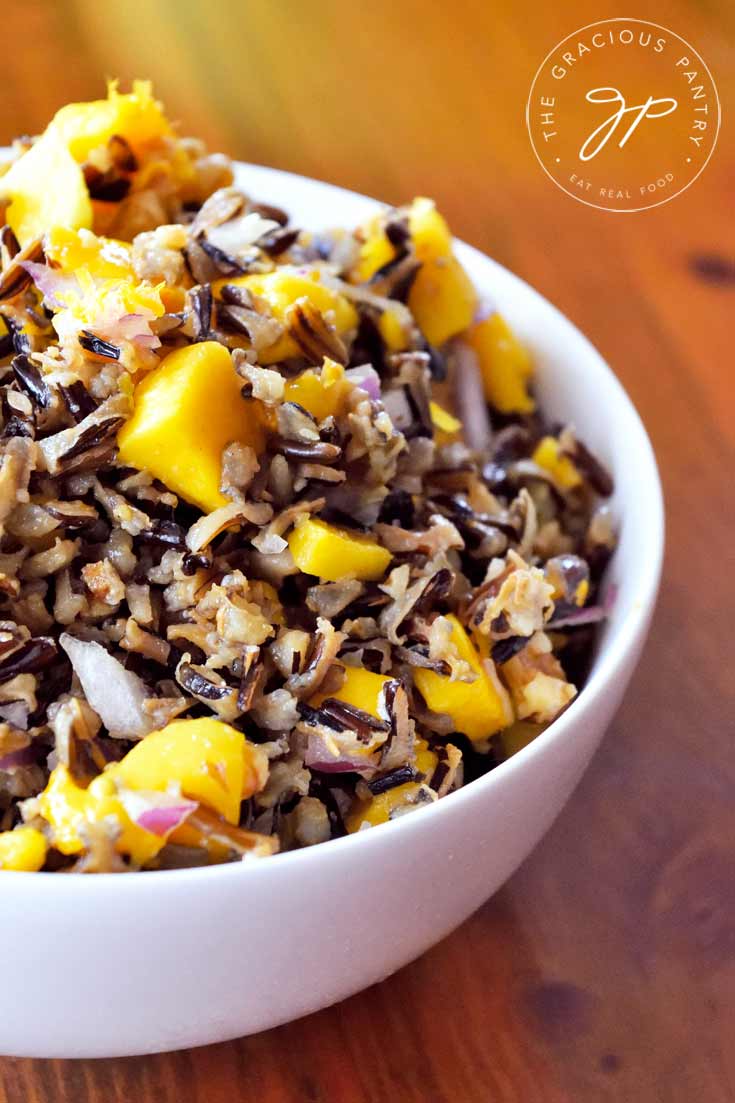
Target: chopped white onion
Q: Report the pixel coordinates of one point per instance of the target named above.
(116, 694)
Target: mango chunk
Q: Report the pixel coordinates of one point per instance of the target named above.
(442, 297)
(379, 808)
(445, 424)
(322, 393)
(478, 709)
(134, 116)
(332, 553)
(505, 365)
(205, 760)
(361, 688)
(375, 251)
(284, 287)
(63, 804)
(72, 812)
(22, 849)
(46, 188)
(211, 761)
(185, 412)
(547, 454)
(104, 258)
(392, 330)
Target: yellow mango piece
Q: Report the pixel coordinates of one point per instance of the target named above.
(134, 116)
(103, 803)
(443, 299)
(322, 393)
(375, 251)
(361, 688)
(378, 809)
(23, 848)
(281, 289)
(46, 188)
(185, 412)
(63, 804)
(392, 330)
(103, 257)
(477, 708)
(332, 553)
(444, 423)
(69, 810)
(211, 761)
(505, 365)
(547, 455)
(429, 230)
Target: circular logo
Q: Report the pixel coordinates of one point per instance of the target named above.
(623, 115)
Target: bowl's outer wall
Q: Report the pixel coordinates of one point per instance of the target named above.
(111, 966)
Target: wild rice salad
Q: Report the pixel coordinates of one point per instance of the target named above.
(288, 549)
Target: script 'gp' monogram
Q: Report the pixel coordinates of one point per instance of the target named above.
(651, 109)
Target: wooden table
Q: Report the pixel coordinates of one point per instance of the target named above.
(605, 969)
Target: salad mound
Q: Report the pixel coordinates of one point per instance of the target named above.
(287, 547)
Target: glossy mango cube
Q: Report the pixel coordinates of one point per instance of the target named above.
(375, 251)
(104, 258)
(505, 365)
(185, 412)
(333, 553)
(322, 393)
(446, 425)
(72, 811)
(442, 297)
(46, 188)
(378, 809)
(477, 709)
(23, 849)
(211, 762)
(282, 288)
(547, 454)
(361, 688)
(135, 116)
(393, 331)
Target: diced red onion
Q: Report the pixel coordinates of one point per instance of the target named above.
(592, 614)
(15, 713)
(366, 378)
(116, 694)
(24, 756)
(130, 327)
(52, 283)
(318, 757)
(470, 399)
(159, 813)
(399, 411)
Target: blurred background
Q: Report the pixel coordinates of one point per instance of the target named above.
(402, 97)
(397, 98)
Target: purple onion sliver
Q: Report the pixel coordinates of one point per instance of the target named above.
(165, 819)
(24, 756)
(366, 378)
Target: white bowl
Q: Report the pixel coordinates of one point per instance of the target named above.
(111, 965)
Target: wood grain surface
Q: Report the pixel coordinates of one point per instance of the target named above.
(605, 970)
